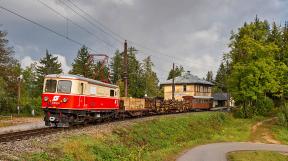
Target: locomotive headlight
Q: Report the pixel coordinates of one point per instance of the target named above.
(65, 100)
(45, 98)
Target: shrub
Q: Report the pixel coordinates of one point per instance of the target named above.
(283, 116)
(263, 106)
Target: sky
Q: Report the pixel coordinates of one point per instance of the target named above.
(191, 33)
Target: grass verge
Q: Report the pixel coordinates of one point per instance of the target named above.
(158, 139)
(257, 156)
(280, 133)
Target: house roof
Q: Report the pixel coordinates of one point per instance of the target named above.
(187, 78)
(221, 96)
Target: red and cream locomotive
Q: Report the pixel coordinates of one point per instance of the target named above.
(72, 99)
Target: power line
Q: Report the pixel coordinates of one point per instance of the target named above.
(117, 35)
(98, 22)
(76, 24)
(89, 21)
(44, 27)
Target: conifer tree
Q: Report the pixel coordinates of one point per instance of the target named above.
(177, 72)
(82, 64)
(48, 65)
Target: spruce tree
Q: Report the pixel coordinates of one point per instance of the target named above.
(82, 64)
(48, 65)
(177, 72)
(150, 77)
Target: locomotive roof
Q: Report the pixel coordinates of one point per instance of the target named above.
(188, 78)
(71, 76)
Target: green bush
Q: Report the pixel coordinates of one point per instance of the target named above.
(283, 116)
(261, 107)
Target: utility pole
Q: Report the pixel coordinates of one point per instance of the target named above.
(173, 82)
(125, 70)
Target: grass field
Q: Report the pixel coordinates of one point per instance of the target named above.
(281, 133)
(158, 139)
(257, 156)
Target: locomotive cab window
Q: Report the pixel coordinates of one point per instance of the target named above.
(50, 85)
(64, 86)
(112, 93)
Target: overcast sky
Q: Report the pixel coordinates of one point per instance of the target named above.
(191, 33)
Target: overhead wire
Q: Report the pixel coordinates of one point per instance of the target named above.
(76, 24)
(113, 34)
(89, 21)
(45, 27)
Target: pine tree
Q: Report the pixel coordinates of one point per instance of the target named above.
(117, 67)
(48, 65)
(82, 64)
(151, 80)
(177, 72)
(9, 72)
(9, 66)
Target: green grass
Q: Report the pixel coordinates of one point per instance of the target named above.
(281, 133)
(158, 139)
(257, 156)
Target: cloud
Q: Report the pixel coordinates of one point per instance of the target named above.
(65, 67)
(192, 33)
(27, 61)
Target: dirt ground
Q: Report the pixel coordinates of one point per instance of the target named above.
(10, 121)
(261, 132)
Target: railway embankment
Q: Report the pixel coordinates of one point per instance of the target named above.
(152, 138)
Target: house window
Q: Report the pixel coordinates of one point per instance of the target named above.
(184, 88)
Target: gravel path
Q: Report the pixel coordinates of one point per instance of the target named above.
(218, 151)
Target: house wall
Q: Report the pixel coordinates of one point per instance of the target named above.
(191, 90)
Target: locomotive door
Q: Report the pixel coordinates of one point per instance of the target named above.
(82, 96)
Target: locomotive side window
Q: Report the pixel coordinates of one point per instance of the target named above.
(50, 86)
(112, 94)
(64, 86)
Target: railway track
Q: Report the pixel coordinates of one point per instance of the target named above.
(22, 135)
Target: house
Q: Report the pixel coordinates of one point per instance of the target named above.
(222, 100)
(187, 85)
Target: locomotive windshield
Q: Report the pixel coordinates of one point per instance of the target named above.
(50, 86)
(64, 86)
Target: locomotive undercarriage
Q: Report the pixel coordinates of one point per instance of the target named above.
(66, 118)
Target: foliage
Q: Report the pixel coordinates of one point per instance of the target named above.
(255, 67)
(82, 64)
(9, 72)
(150, 78)
(157, 139)
(178, 71)
(48, 65)
(142, 80)
(221, 78)
(283, 116)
